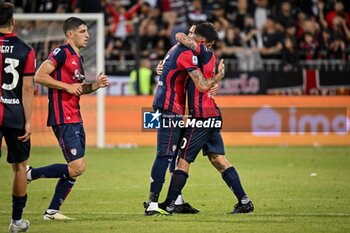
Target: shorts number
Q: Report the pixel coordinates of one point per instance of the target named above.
(11, 68)
(183, 143)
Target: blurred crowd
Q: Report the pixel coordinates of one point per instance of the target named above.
(249, 30)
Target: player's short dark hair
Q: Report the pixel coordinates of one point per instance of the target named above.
(72, 23)
(207, 30)
(6, 13)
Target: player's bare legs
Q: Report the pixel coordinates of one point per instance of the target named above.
(19, 187)
(76, 167)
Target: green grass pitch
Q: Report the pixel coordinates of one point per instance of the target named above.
(109, 196)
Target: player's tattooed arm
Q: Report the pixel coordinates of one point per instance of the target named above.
(187, 41)
(203, 84)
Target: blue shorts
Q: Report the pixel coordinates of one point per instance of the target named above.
(168, 138)
(71, 138)
(196, 139)
(17, 151)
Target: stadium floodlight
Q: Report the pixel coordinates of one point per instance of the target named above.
(44, 32)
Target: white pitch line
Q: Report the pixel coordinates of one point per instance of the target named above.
(272, 214)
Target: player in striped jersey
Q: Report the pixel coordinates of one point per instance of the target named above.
(202, 108)
(63, 73)
(17, 68)
(179, 63)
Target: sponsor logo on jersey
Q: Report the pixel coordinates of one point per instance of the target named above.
(9, 101)
(78, 76)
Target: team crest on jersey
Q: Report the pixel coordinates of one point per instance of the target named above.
(57, 50)
(195, 60)
(73, 151)
(78, 76)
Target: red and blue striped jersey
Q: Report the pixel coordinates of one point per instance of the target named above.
(17, 60)
(64, 107)
(203, 104)
(171, 90)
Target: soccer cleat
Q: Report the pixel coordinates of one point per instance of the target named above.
(185, 208)
(240, 208)
(158, 212)
(28, 168)
(56, 216)
(23, 226)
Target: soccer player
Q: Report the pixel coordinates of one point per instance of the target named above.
(17, 68)
(63, 74)
(202, 107)
(179, 63)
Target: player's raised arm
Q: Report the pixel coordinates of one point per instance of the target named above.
(44, 78)
(101, 82)
(187, 41)
(203, 84)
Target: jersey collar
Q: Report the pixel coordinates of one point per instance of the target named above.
(11, 34)
(71, 50)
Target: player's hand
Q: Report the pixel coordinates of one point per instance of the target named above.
(75, 88)
(27, 133)
(192, 29)
(221, 69)
(214, 90)
(102, 80)
(159, 68)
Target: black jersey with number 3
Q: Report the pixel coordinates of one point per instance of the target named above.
(17, 60)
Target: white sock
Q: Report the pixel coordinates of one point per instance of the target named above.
(29, 175)
(245, 200)
(16, 222)
(152, 206)
(51, 211)
(179, 200)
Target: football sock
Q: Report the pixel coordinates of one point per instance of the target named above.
(51, 211)
(63, 187)
(179, 200)
(153, 197)
(178, 181)
(16, 222)
(158, 172)
(51, 171)
(18, 204)
(245, 200)
(172, 165)
(232, 180)
(152, 206)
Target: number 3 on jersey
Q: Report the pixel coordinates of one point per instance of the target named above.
(11, 68)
